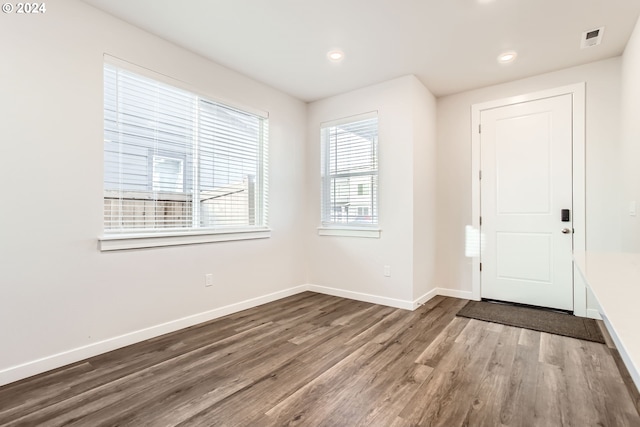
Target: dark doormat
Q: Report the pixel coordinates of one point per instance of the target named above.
(532, 318)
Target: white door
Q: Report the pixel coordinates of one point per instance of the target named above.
(526, 182)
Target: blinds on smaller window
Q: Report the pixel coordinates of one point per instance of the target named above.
(174, 161)
(350, 171)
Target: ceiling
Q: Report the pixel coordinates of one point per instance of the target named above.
(450, 45)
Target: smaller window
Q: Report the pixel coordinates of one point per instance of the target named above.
(350, 171)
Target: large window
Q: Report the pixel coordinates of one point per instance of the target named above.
(175, 162)
(350, 171)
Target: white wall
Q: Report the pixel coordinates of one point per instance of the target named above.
(630, 142)
(58, 292)
(406, 128)
(454, 162)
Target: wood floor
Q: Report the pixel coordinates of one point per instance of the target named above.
(317, 360)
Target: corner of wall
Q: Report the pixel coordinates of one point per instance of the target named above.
(424, 189)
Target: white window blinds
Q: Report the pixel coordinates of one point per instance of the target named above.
(350, 171)
(174, 161)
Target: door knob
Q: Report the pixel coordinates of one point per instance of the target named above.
(566, 231)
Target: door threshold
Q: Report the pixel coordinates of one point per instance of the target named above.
(517, 304)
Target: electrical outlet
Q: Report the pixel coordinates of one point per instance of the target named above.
(208, 279)
(632, 208)
(387, 271)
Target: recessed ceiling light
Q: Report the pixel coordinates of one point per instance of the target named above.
(335, 55)
(507, 57)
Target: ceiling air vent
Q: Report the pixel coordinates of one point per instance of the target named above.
(592, 37)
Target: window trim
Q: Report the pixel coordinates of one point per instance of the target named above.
(115, 242)
(344, 231)
(351, 229)
(123, 240)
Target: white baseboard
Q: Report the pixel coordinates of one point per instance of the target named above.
(443, 292)
(455, 293)
(592, 313)
(424, 298)
(391, 302)
(48, 363)
(634, 371)
(358, 296)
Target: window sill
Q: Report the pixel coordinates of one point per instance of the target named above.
(373, 233)
(116, 242)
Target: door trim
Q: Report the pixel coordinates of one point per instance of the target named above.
(577, 92)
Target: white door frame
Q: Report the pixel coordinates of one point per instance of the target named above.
(577, 92)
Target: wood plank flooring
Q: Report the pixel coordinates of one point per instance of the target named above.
(318, 360)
